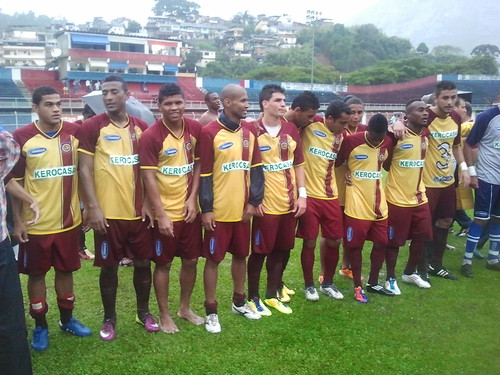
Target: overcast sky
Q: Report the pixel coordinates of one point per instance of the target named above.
(81, 11)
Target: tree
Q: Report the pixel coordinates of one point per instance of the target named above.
(182, 9)
(423, 49)
(192, 58)
(134, 27)
(486, 50)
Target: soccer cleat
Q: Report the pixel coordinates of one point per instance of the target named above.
(246, 311)
(359, 295)
(107, 332)
(424, 276)
(212, 324)
(466, 270)
(40, 339)
(278, 305)
(149, 323)
(478, 255)
(258, 307)
(462, 232)
(493, 266)
(442, 272)
(287, 290)
(416, 280)
(331, 291)
(450, 247)
(282, 295)
(311, 293)
(76, 328)
(392, 285)
(379, 289)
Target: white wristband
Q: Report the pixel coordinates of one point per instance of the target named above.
(472, 171)
(302, 192)
(463, 166)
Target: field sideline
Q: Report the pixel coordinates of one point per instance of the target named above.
(451, 328)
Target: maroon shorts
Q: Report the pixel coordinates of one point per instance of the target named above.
(442, 202)
(43, 251)
(186, 242)
(122, 238)
(233, 237)
(324, 212)
(273, 232)
(407, 223)
(358, 231)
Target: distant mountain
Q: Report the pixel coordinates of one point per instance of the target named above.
(460, 23)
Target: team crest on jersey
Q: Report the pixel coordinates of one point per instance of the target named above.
(37, 151)
(112, 138)
(319, 133)
(381, 156)
(171, 151)
(212, 245)
(337, 140)
(284, 145)
(188, 146)
(350, 233)
(424, 146)
(66, 147)
(158, 248)
(104, 250)
(133, 136)
(390, 232)
(246, 143)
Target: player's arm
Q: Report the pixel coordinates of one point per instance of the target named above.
(256, 194)
(165, 224)
(191, 206)
(17, 191)
(205, 152)
(92, 210)
(301, 202)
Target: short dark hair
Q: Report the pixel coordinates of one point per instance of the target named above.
(267, 92)
(468, 108)
(354, 100)
(116, 78)
(207, 95)
(41, 91)
(444, 85)
(378, 124)
(336, 108)
(411, 101)
(169, 89)
(305, 101)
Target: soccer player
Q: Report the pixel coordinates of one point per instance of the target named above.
(365, 205)
(231, 192)
(273, 233)
(409, 213)
(171, 178)
(113, 201)
(48, 170)
(212, 101)
(321, 142)
(485, 178)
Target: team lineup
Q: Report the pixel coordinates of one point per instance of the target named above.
(227, 183)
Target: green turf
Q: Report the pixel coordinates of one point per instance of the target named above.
(451, 328)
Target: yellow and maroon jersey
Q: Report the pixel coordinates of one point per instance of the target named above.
(116, 164)
(280, 155)
(444, 134)
(320, 147)
(48, 165)
(227, 157)
(340, 170)
(365, 198)
(173, 159)
(404, 186)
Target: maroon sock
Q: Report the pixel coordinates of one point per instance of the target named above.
(273, 267)
(239, 299)
(377, 258)
(330, 261)
(391, 258)
(307, 259)
(284, 262)
(440, 237)
(414, 257)
(254, 266)
(211, 307)
(355, 259)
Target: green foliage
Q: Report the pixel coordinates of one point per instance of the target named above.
(239, 67)
(289, 57)
(422, 48)
(134, 26)
(486, 50)
(183, 9)
(24, 19)
(476, 65)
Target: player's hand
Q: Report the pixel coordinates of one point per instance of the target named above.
(474, 182)
(464, 179)
(147, 213)
(190, 210)
(348, 180)
(300, 206)
(399, 130)
(96, 220)
(20, 232)
(259, 210)
(248, 212)
(166, 226)
(208, 221)
(35, 209)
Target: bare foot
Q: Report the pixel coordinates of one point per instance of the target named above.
(167, 325)
(190, 316)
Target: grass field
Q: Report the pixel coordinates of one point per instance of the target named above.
(452, 328)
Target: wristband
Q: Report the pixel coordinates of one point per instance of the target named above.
(472, 171)
(302, 192)
(463, 166)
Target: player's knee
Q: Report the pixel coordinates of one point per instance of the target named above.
(444, 223)
(189, 263)
(309, 243)
(333, 243)
(142, 263)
